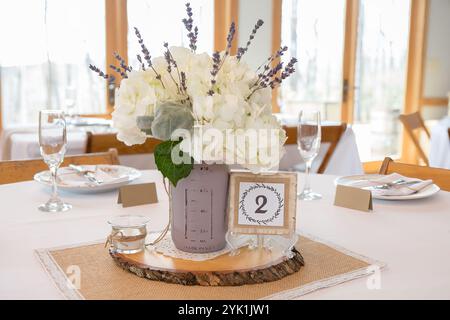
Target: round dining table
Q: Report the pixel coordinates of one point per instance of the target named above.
(411, 237)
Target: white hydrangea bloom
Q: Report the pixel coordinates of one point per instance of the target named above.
(233, 110)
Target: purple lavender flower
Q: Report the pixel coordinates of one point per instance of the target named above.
(138, 56)
(171, 62)
(242, 50)
(144, 49)
(121, 60)
(189, 25)
(98, 71)
(111, 79)
(230, 37)
(271, 77)
(119, 71)
(147, 56)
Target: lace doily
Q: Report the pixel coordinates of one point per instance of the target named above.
(167, 248)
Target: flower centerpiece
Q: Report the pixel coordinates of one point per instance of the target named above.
(209, 112)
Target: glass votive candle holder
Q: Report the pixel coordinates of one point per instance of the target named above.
(128, 233)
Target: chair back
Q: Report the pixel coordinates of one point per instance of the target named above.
(101, 142)
(441, 177)
(330, 134)
(22, 170)
(414, 123)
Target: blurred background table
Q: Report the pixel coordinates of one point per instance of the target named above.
(440, 144)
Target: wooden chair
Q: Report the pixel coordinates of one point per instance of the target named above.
(441, 177)
(413, 122)
(23, 170)
(101, 142)
(330, 134)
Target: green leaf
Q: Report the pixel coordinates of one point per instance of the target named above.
(163, 159)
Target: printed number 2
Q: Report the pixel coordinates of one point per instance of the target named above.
(264, 201)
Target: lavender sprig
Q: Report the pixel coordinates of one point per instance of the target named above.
(214, 71)
(288, 70)
(217, 61)
(147, 56)
(230, 37)
(270, 77)
(266, 78)
(242, 50)
(119, 71)
(98, 71)
(138, 56)
(171, 62)
(183, 81)
(109, 77)
(123, 65)
(144, 49)
(273, 57)
(189, 25)
(266, 65)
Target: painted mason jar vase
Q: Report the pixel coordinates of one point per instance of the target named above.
(199, 207)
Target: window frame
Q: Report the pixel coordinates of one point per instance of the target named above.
(414, 98)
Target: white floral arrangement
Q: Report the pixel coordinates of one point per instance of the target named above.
(186, 91)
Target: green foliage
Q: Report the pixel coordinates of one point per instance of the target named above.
(163, 159)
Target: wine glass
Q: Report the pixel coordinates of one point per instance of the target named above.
(308, 142)
(52, 142)
(70, 95)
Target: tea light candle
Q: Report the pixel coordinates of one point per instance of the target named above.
(128, 233)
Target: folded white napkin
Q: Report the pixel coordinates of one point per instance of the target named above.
(69, 177)
(394, 190)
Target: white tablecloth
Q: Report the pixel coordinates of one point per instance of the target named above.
(412, 237)
(440, 145)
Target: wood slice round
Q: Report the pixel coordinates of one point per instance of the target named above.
(249, 267)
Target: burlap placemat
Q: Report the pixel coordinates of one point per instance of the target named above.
(100, 278)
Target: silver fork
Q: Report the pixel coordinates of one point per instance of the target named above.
(399, 182)
(86, 173)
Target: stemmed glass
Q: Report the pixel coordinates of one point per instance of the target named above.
(308, 142)
(70, 95)
(52, 141)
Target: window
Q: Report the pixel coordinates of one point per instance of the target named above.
(161, 21)
(314, 33)
(45, 49)
(381, 63)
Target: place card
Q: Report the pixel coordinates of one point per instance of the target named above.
(137, 194)
(262, 203)
(353, 198)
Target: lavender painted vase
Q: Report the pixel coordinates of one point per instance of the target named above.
(199, 205)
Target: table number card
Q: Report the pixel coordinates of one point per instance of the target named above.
(262, 203)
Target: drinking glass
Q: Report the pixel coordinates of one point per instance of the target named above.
(70, 96)
(128, 233)
(308, 142)
(52, 142)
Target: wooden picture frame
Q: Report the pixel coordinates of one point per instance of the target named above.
(262, 203)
